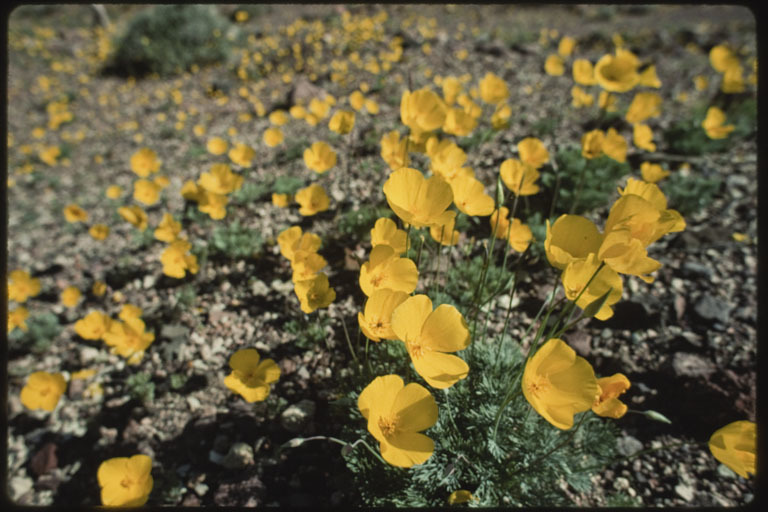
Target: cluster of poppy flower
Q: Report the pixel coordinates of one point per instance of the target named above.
(211, 189)
(310, 285)
(127, 335)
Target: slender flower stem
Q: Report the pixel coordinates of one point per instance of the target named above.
(298, 441)
(349, 341)
(572, 305)
(578, 188)
(557, 185)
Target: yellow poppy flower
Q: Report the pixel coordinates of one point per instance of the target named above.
(73, 213)
(376, 319)
(114, 192)
(278, 117)
(493, 89)
(312, 199)
(532, 152)
(99, 231)
(144, 162)
(385, 269)
(146, 192)
(125, 482)
(615, 146)
(565, 47)
(385, 232)
(18, 318)
(213, 204)
(592, 144)
(70, 296)
(649, 78)
(520, 235)
(460, 496)
(558, 383)
(128, 337)
(422, 110)
(520, 178)
(642, 136)
(129, 311)
(168, 229)
(251, 377)
(583, 72)
(607, 101)
(469, 196)
(394, 150)
(93, 326)
(273, 137)
(281, 200)
(43, 391)
(451, 89)
(445, 158)
(607, 402)
(306, 265)
(396, 415)
(356, 100)
(581, 98)
(135, 215)
(176, 260)
(571, 237)
(99, 288)
(652, 172)
(242, 155)
(22, 286)
(416, 200)
(319, 157)
(500, 117)
(644, 106)
(722, 58)
(217, 146)
(292, 241)
(713, 124)
(314, 293)
(458, 122)
(220, 179)
(578, 273)
(429, 336)
(319, 108)
(342, 121)
(735, 445)
(617, 73)
(733, 80)
(554, 65)
(445, 233)
(297, 112)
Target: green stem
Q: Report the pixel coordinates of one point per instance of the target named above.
(349, 342)
(557, 447)
(557, 186)
(572, 305)
(301, 441)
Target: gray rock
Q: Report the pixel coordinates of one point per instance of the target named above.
(173, 331)
(238, 456)
(691, 365)
(298, 416)
(684, 491)
(696, 270)
(18, 486)
(628, 445)
(711, 309)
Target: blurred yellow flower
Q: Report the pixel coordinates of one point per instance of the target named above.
(733, 80)
(220, 180)
(73, 213)
(558, 383)
(615, 146)
(554, 65)
(422, 110)
(356, 100)
(394, 150)
(458, 122)
(385, 232)
(581, 98)
(493, 89)
(242, 155)
(565, 47)
(99, 231)
(583, 72)
(532, 152)
(617, 73)
(49, 154)
(644, 105)
(135, 215)
(396, 415)
(281, 200)
(168, 229)
(18, 318)
(469, 196)
(652, 172)
(144, 162)
(43, 391)
(114, 192)
(278, 117)
(177, 261)
(22, 286)
(128, 338)
(125, 482)
(70, 296)
(451, 89)
(312, 200)
(735, 445)
(146, 192)
(713, 124)
(459, 497)
(607, 101)
(385, 269)
(500, 117)
(342, 122)
(319, 157)
(642, 136)
(579, 272)
(217, 146)
(649, 78)
(520, 178)
(251, 377)
(93, 326)
(571, 237)
(444, 232)
(722, 58)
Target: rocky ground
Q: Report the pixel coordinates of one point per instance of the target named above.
(687, 341)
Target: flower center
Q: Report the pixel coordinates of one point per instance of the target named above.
(539, 385)
(388, 425)
(377, 280)
(415, 349)
(126, 482)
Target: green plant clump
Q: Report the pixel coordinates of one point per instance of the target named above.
(42, 329)
(169, 39)
(510, 469)
(237, 241)
(689, 194)
(141, 387)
